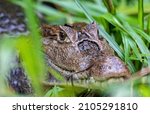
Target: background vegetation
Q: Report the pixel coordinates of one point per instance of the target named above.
(125, 24)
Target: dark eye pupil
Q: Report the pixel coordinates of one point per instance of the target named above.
(62, 36)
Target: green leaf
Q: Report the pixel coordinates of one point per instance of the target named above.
(144, 90)
(56, 74)
(126, 47)
(30, 48)
(140, 14)
(143, 34)
(54, 92)
(135, 49)
(143, 48)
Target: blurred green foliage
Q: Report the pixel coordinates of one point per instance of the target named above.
(125, 24)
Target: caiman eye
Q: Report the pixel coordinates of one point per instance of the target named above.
(62, 36)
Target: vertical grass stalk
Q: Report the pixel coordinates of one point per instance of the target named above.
(32, 56)
(140, 14)
(148, 29)
(141, 23)
(110, 7)
(148, 25)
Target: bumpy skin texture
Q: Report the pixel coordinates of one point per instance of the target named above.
(81, 51)
(109, 67)
(67, 54)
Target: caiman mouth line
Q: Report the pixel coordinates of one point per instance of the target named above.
(86, 84)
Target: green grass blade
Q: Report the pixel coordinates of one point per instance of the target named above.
(135, 49)
(143, 48)
(143, 34)
(85, 11)
(110, 7)
(30, 48)
(140, 14)
(49, 11)
(126, 47)
(148, 24)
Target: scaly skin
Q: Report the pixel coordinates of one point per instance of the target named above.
(81, 50)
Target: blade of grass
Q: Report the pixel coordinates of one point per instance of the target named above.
(54, 92)
(56, 74)
(126, 47)
(110, 7)
(140, 20)
(135, 49)
(143, 48)
(140, 14)
(30, 50)
(7, 62)
(38, 69)
(143, 34)
(49, 11)
(71, 7)
(148, 25)
(91, 19)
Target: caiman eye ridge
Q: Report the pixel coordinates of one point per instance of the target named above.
(86, 45)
